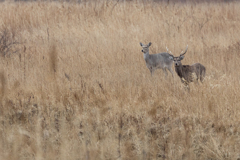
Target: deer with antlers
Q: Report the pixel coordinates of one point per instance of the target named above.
(188, 73)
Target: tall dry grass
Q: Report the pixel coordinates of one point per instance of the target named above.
(79, 87)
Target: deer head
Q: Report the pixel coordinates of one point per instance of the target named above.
(145, 48)
(177, 60)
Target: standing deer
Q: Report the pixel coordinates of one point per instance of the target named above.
(157, 61)
(188, 73)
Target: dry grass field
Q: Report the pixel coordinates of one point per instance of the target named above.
(74, 84)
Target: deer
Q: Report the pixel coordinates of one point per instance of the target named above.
(188, 73)
(162, 60)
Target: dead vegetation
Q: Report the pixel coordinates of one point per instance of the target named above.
(79, 89)
(8, 43)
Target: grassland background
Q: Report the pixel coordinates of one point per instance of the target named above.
(78, 88)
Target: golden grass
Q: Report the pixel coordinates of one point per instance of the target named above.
(79, 87)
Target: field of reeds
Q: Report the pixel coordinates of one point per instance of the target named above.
(74, 84)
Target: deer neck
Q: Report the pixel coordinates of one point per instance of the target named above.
(146, 56)
(179, 70)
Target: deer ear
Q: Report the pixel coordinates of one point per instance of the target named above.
(171, 57)
(181, 58)
(149, 44)
(141, 44)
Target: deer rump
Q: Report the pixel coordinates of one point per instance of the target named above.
(191, 73)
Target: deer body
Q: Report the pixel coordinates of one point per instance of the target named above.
(191, 73)
(188, 73)
(157, 61)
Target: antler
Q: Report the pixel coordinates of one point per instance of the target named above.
(169, 52)
(184, 52)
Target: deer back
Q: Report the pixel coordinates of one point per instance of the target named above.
(159, 60)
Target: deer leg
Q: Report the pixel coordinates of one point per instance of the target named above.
(196, 80)
(185, 83)
(202, 75)
(165, 71)
(201, 78)
(151, 70)
(170, 70)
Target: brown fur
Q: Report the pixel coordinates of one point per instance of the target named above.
(188, 73)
